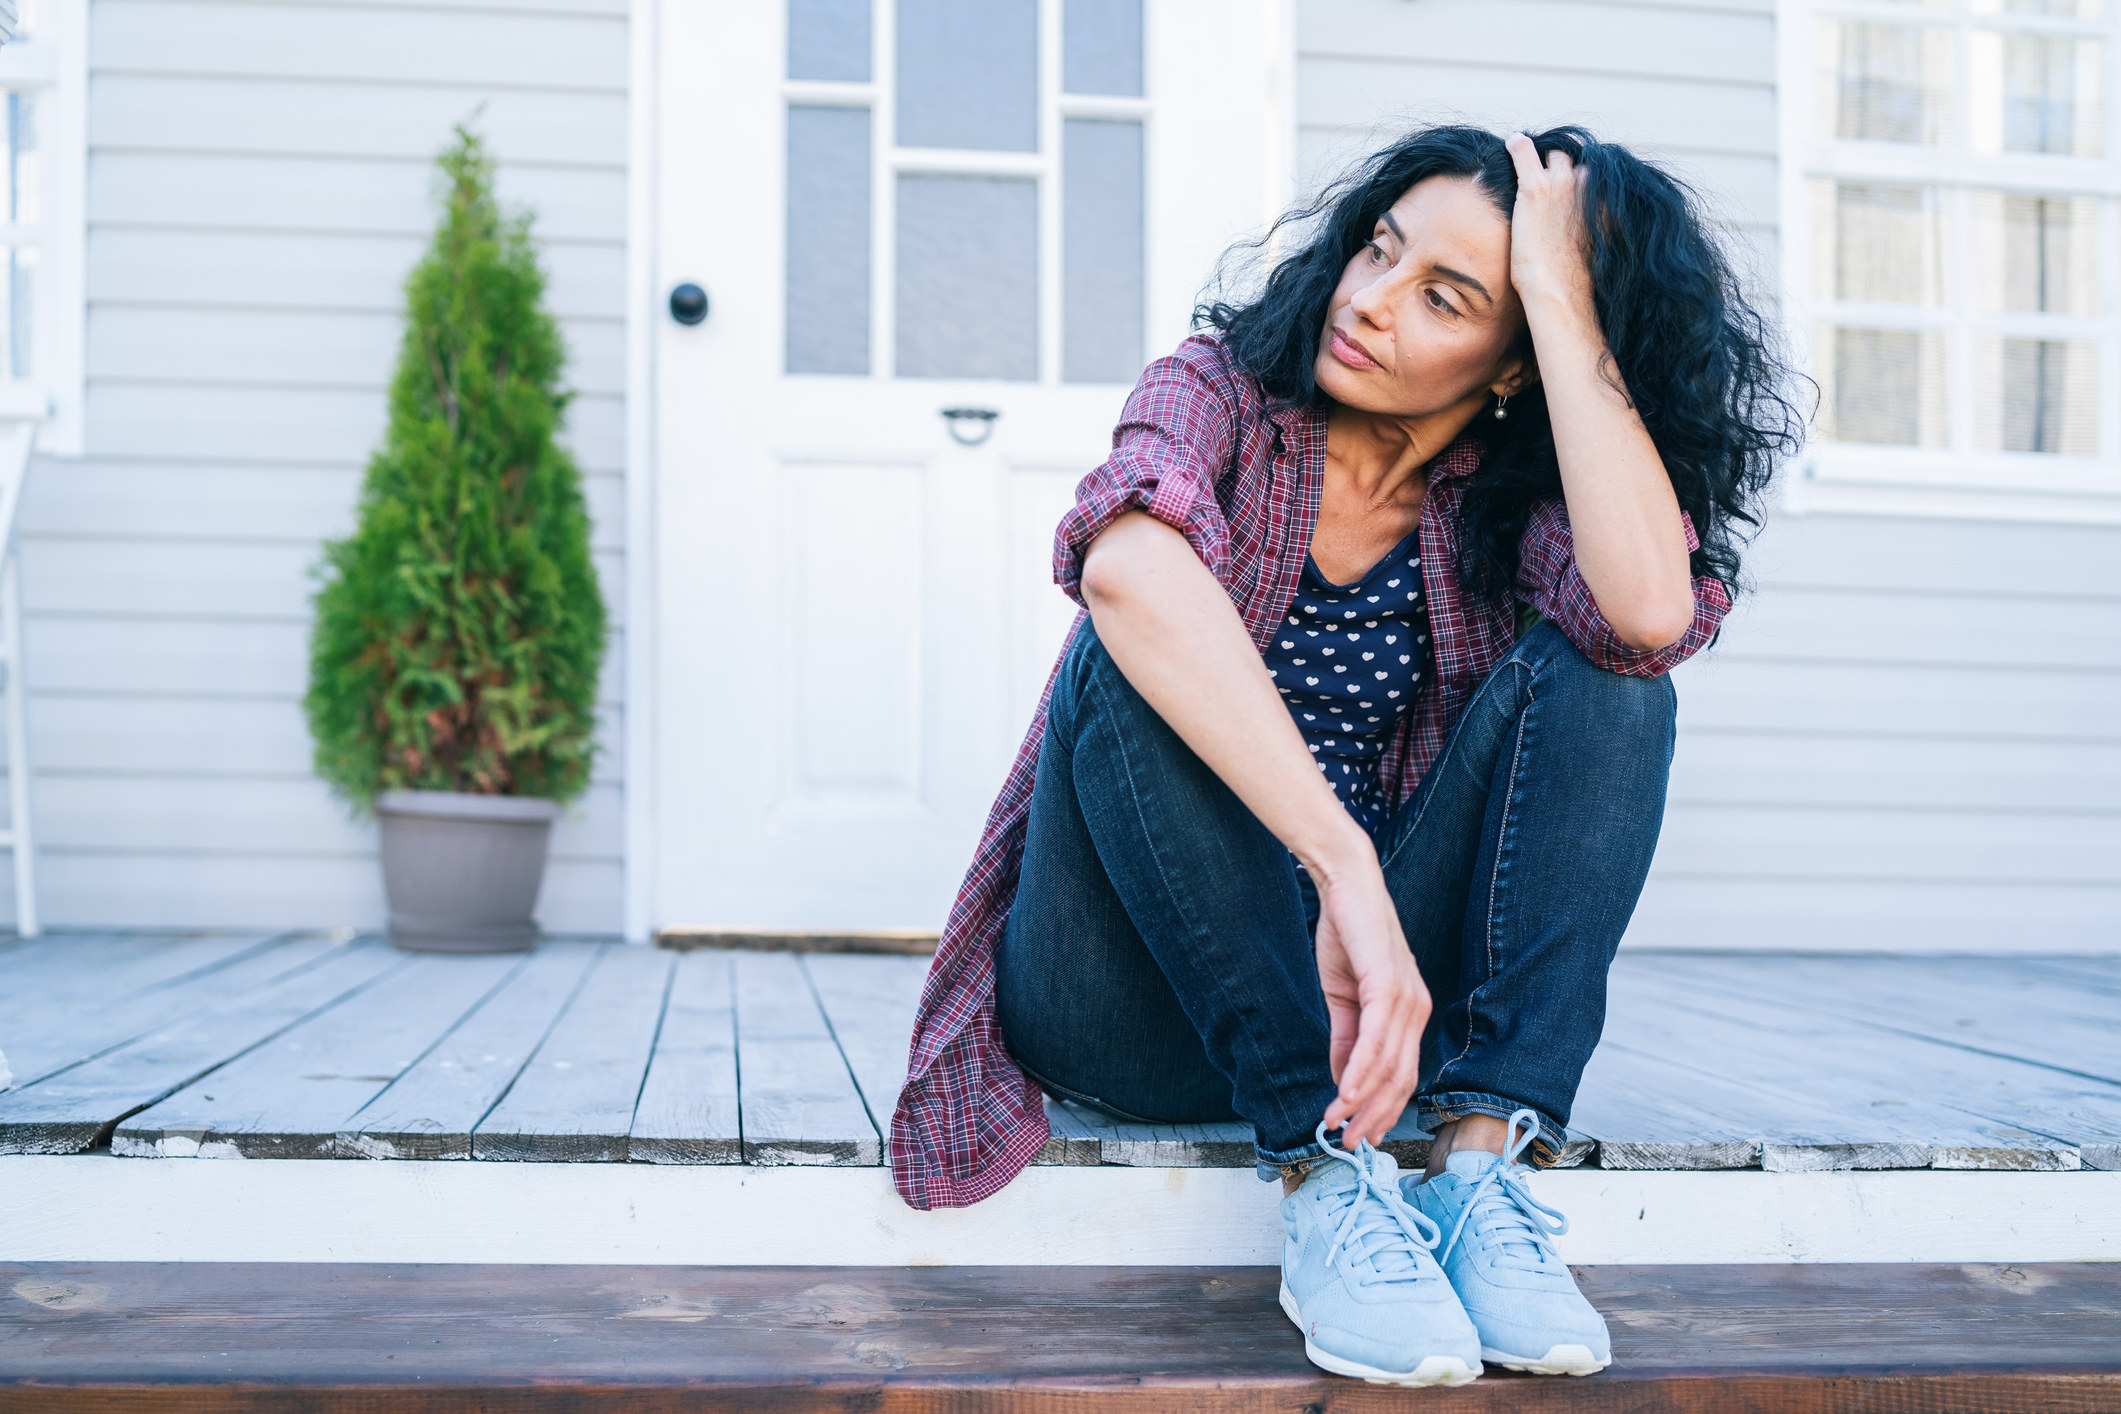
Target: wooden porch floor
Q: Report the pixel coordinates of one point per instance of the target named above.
(298, 1046)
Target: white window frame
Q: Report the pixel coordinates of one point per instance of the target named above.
(50, 59)
(1959, 482)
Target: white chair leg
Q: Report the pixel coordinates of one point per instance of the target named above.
(18, 769)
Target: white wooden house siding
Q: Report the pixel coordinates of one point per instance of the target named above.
(1908, 737)
(259, 180)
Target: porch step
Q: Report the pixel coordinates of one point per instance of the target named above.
(175, 1338)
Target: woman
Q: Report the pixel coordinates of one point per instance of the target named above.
(1346, 785)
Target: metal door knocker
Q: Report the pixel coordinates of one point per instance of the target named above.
(970, 426)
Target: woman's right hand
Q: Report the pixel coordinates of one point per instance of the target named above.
(1375, 998)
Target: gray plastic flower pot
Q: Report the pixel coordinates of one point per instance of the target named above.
(461, 872)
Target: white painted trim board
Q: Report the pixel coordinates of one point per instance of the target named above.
(99, 1208)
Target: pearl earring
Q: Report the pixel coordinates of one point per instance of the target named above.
(1501, 402)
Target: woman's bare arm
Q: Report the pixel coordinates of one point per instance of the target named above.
(1177, 638)
(1630, 544)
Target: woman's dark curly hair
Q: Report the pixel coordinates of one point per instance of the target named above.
(1703, 367)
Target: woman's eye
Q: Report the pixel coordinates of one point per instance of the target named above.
(1440, 303)
(1377, 252)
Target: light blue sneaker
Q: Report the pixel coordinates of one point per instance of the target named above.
(1359, 1280)
(1500, 1258)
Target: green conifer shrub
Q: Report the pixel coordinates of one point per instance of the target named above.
(459, 629)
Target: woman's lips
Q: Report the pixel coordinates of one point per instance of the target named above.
(1349, 352)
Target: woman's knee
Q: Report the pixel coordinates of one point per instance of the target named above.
(1618, 706)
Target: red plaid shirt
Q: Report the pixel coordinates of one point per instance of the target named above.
(1197, 448)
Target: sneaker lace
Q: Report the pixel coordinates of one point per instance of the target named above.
(1508, 1213)
(1378, 1227)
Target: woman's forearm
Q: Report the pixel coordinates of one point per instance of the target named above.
(1177, 638)
(1623, 514)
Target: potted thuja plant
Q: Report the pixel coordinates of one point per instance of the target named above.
(459, 628)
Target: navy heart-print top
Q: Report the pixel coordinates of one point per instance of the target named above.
(1348, 659)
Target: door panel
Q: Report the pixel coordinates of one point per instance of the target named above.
(900, 207)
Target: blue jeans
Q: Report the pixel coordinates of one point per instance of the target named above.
(1158, 960)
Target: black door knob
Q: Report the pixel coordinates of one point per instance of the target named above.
(688, 303)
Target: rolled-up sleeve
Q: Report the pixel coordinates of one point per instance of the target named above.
(1548, 580)
(1174, 439)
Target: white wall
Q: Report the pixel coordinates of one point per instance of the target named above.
(259, 176)
(1909, 736)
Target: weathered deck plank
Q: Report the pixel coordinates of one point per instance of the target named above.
(185, 1338)
(870, 1004)
(52, 1027)
(800, 1104)
(2017, 1096)
(429, 1111)
(574, 1101)
(293, 1096)
(1982, 1004)
(1844, 1118)
(688, 1111)
(70, 1111)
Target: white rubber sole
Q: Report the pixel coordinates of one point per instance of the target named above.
(1560, 1360)
(1434, 1370)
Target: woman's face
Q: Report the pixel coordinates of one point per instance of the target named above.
(1424, 318)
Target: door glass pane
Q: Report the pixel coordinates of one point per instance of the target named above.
(22, 180)
(1885, 83)
(1881, 385)
(2035, 254)
(21, 312)
(968, 74)
(967, 277)
(2036, 395)
(827, 278)
(2067, 9)
(1101, 48)
(1102, 295)
(829, 39)
(2035, 93)
(1878, 241)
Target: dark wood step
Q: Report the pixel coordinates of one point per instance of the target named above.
(188, 1338)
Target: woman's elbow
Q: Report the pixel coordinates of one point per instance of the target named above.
(1654, 627)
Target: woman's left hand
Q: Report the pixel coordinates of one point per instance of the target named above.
(1549, 254)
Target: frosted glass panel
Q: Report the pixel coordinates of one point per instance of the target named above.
(2067, 9)
(2036, 395)
(2033, 93)
(1101, 47)
(968, 74)
(827, 279)
(1101, 251)
(2035, 254)
(1881, 385)
(1885, 83)
(1878, 241)
(967, 277)
(829, 39)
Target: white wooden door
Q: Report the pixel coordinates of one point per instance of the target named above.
(899, 208)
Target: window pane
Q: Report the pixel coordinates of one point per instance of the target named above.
(968, 74)
(21, 312)
(1881, 385)
(1885, 83)
(967, 277)
(2067, 9)
(2036, 395)
(2035, 254)
(829, 39)
(22, 180)
(1102, 47)
(1102, 294)
(2033, 93)
(1878, 241)
(827, 279)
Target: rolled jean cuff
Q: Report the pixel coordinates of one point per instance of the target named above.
(1434, 1111)
(1288, 1163)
